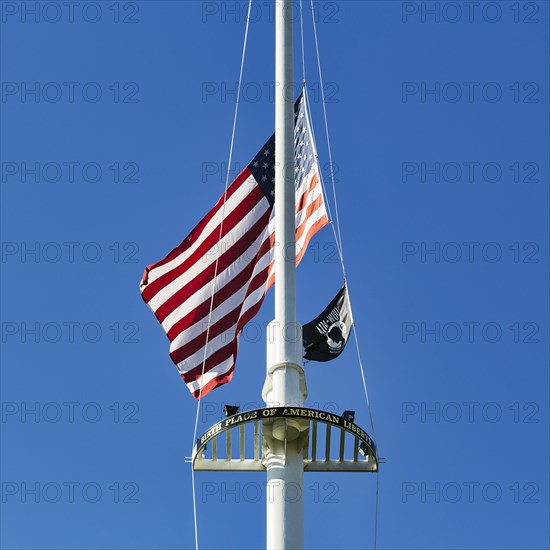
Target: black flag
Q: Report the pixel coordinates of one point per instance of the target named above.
(326, 336)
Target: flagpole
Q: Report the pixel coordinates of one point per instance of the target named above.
(285, 382)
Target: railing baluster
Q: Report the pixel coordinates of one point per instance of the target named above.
(314, 442)
(256, 440)
(241, 443)
(327, 448)
(228, 452)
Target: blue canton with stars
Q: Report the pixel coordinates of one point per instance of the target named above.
(263, 164)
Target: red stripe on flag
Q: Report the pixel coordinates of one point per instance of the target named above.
(319, 224)
(214, 383)
(301, 202)
(317, 203)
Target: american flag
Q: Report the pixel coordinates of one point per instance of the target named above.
(180, 289)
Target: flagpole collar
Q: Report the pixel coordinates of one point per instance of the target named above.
(285, 364)
(268, 384)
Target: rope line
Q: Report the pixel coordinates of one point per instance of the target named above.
(237, 102)
(337, 231)
(362, 372)
(303, 49)
(376, 510)
(338, 239)
(321, 85)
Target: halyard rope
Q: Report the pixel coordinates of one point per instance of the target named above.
(302, 39)
(237, 101)
(338, 237)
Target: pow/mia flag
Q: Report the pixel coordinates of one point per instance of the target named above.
(326, 336)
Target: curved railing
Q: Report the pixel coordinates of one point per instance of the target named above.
(322, 451)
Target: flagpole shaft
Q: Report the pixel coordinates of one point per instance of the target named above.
(285, 384)
(285, 233)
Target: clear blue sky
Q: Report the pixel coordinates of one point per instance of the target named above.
(439, 127)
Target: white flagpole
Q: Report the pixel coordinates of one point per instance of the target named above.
(285, 383)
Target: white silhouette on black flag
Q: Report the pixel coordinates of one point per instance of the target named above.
(326, 336)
